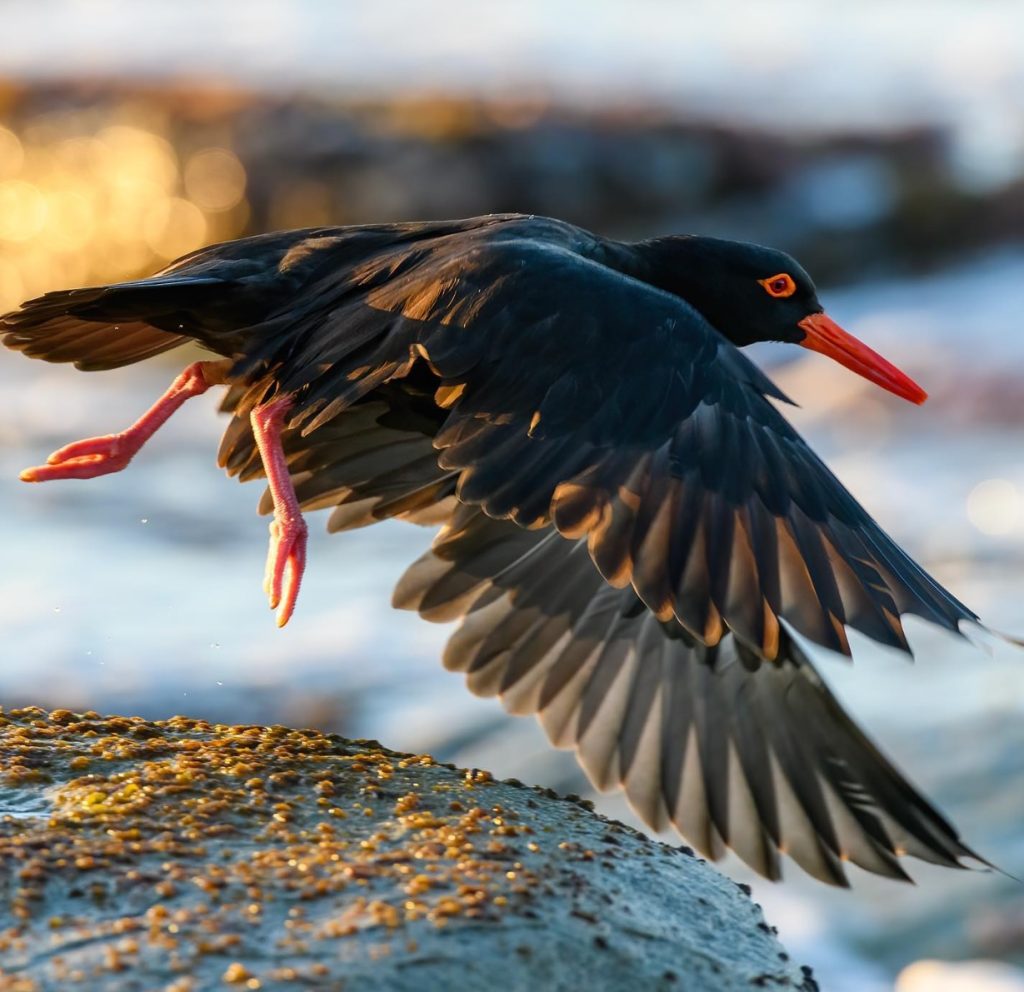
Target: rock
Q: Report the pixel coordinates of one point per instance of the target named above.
(183, 856)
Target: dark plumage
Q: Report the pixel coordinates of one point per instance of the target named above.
(634, 537)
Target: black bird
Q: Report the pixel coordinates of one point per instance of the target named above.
(638, 544)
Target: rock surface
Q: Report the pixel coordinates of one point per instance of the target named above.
(183, 856)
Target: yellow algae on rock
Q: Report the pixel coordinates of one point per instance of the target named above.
(180, 854)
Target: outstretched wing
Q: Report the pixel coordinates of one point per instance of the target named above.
(727, 747)
(574, 393)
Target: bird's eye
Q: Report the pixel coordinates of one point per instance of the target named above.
(779, 286)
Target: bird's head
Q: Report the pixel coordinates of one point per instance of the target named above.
(751, 293)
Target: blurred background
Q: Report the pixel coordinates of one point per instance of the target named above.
(882, 143)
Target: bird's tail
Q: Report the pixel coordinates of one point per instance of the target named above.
(730, 749)
(96, 329)
(210, 296)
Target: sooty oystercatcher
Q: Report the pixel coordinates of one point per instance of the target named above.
(633, 536)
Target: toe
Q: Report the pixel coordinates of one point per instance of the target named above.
(107, 446)
(294, 567)
(81, 468)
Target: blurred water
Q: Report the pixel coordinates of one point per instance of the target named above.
(788, 64)
(141, 592)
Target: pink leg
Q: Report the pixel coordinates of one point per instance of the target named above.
(96, 456)
(286, 559)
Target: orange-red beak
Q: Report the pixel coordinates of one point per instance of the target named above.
(826, 336)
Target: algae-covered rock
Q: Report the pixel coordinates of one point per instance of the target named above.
(181, 855)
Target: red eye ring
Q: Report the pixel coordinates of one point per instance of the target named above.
(779, 286)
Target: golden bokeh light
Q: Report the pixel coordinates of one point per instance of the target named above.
(215, 179)
(174, 226)
(22, 210)
(70, 219)
(11, 285)
(132, 152)
(86, 201)
(11, 155)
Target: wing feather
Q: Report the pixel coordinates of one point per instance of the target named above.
(729, 747)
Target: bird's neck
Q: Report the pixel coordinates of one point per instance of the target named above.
(689, 267)
(679, 264)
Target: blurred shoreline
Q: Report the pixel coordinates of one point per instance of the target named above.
(103, 180)
(795, 64)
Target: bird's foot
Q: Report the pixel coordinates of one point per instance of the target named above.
(286, 561)
(86, 459)
(95, 456)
